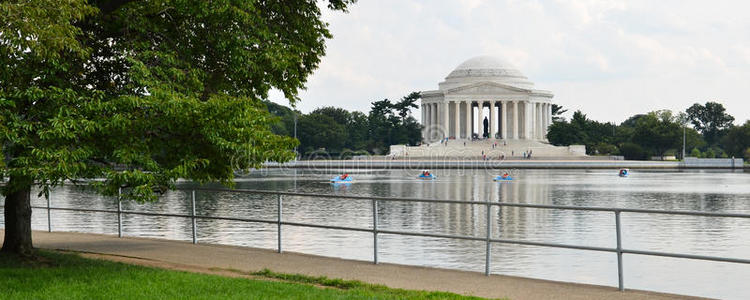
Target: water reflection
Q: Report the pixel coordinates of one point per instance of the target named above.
(705, 191)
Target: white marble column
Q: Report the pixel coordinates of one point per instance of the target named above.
(436, 120)
(515, 120)
(527, 122)
(424, 122)
(537, 119)
(428, 118)
(433, 121)
(542, 120)
(446, 120)
(504, 118)
(549, 118)
(532, 120)
(456, 118)
(467, 121)
(493, 115)
(480, 116)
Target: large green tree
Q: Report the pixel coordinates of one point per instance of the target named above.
(320, 131)
(141, 93)
(737, 141)
(658, 132)
(557, 112)
(710, 119)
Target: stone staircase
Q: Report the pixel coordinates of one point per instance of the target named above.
(478, 149)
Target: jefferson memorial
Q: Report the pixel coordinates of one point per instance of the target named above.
(516, 109)
(487, 106)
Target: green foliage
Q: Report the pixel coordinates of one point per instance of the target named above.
(583, 131)
(695, 153)
(345, 133)
(320, 131)
(709, 153)
(605, 148)
(710, 119)
(141, 93)
(557, 111)
(658, 132)
(633, 151)
(68, 276)
(737, 140)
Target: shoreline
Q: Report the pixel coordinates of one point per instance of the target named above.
(497, 164)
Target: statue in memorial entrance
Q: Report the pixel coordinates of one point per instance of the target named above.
(486, 123)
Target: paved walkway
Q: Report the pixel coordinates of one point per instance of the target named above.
(220, 259)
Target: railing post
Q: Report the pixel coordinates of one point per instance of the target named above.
(489, 233)
(49, 215)
(192, 216)
(278, 223)
(620, 283)
(119, 212)
(375, 231)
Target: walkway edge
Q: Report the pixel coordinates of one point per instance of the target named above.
(245, 259)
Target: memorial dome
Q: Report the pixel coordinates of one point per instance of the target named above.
(486, 68)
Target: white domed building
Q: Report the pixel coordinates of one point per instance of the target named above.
(486, 87)
(486, 108)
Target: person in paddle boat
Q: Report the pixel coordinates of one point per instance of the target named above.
(342, 177)
(426, 173)
(505, 175)
(623, 172)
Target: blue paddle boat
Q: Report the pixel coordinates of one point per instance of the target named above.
(504, 177)
(342, 178)
(426, 175)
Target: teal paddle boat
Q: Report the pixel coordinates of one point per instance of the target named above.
(342, 179)
(426, 175)
(504, 177)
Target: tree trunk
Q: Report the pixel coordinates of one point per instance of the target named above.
(18, 221)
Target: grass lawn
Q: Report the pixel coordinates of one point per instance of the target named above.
(69, 276)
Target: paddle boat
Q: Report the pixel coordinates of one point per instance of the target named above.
(342, 178)
(624, 172)
(504, 177)
(426, 175)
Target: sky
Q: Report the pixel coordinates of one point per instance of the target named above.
(609, 59)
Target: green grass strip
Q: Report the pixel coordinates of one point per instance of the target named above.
(69, 276)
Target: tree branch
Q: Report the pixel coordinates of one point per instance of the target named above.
(106, 7)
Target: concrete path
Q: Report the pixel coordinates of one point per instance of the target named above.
(220, 259)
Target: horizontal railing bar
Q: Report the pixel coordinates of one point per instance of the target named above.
(132, 212)
(326, 226)
(235, 219)
(522, 205)
(553, 245)
(688, 256)
(75, 209)
(435, 235)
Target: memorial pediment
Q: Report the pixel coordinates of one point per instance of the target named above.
(486, 88)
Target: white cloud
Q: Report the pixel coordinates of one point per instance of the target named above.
(609, 58)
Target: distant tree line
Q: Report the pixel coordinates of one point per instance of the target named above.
(336, 131)
(709, 132)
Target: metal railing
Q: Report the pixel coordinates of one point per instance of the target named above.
(375, 231)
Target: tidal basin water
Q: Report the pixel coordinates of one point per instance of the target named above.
(714, 191)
